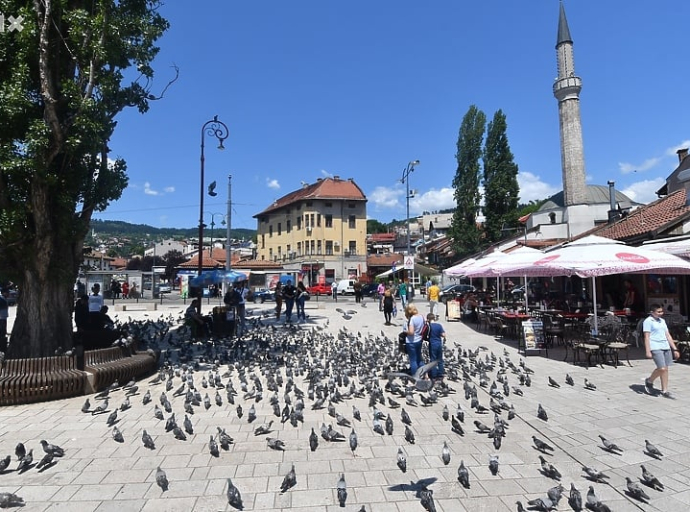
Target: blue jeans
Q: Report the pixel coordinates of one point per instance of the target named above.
(436, 354)
(289, 304)
(403, 299)
(300, 308)
(414, 351)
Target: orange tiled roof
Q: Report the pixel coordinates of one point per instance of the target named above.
(382, 237)
(326, 188)
(383, 260)
(258, 265)
(651, 219)
(206, 262)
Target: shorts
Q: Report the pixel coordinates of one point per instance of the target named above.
(662, 358)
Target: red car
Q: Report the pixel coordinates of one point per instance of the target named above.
(320, 289)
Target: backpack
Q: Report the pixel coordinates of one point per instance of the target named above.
(232, 298)
(426, 331)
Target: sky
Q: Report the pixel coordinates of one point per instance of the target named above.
(357, 89)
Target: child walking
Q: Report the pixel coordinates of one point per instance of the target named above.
(437, 335)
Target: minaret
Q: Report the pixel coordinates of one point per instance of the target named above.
(566, 89)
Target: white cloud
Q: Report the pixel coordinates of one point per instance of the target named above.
(272, 183)
(532, 188)
(644, 191)
(386, 198)
(649, 163)
(672, 150)
(326, 174)
(169, 190)
(148, 190)
(433, 200)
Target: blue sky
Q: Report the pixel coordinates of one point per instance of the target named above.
(316, 88)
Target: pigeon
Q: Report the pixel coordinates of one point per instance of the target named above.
(520, 507)
(52, 449)
(86, 407)
(589, 385)
(652, 450)
(5, 463)
(426, 498)
(544, 504)
(234, 496)
(456, 427)
(263, 429)
(481, 428)
(126, 404)
(541, 445)
(117, 435)
(595, 475)
(157, 413)
(405, 417)
(647, 478)
(213, 447)
(177, 432)
(161, 479)
(635, 490)
(378, 427)
(289, 481)
(402, 460)
(47, 461)
(555, 493)
(170, 423)
(112, 418)
(275, 444)
(569, 380)
(353, 441)
(251, 414)
(147, 440)
(593, 502)
(493, 464)
(147, 397)
(188, 427)
(419, 378)
(313, 440)
(7, 500)
(409, 435)
(575, 498)
(445, 414)
(26, 462)
(549, 469)
(445, 454)
(224, 439)
(610, 446)
(463, 475)
(541, 413)
(342, 490)
(356, 414)
(553, 383)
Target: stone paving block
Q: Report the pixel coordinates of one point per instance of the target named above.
(169, 505)
(70, 506)
(317, 497)
(134, 490)
(120, 506)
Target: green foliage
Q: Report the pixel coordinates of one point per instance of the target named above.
(121, 229)
(501, 190)
(464, 228)
(374, 226)
(63, 80)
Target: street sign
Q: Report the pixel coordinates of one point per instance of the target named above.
(408, 263)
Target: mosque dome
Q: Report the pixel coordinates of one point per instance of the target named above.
(596, 194)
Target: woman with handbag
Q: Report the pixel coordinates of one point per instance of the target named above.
(414, 326)
(302, 296)
(387, 306)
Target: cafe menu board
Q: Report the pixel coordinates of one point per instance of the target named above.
(533, 334)
(453, 310)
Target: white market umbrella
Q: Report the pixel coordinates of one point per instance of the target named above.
(459, 269)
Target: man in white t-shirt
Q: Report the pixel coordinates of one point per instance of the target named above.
(95, 305)
(659, 346)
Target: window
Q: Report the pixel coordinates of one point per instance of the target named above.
(306, 220)
(351, 222)
(312, 247)
(328, 204)
(270, 253)
(309, 204)
(318, 220)
(299, 222)
(352, 247)
(270, 231)
(318, 247)
(263, 241)
(329, 248)
(329, 221)
(299, 248)
(280, 251)
(350, 205)
(288, 226)
(312, 220)
(280, 229)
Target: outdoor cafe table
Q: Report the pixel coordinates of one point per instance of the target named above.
(513, 321)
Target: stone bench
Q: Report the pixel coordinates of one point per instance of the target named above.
(107, 365)
(40, 379)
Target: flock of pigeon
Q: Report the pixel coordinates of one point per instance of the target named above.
(349, 389)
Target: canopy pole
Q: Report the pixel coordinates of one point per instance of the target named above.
(526, 297)
(594, 298)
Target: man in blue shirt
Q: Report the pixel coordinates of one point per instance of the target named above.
(659, 346)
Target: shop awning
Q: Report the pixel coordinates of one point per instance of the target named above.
(418, 269)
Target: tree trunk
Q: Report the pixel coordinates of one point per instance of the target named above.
(49, 269)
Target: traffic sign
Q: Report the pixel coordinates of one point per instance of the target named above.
(409, 263)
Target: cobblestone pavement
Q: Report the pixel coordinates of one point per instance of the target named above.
(99, 474)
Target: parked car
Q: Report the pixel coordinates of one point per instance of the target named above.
(262, 295)
(369, 290)
(346, 287)
(455, 291)
(320, 289)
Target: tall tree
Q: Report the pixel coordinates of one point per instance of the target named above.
(62, 83)
(466, 235)
(501, 191)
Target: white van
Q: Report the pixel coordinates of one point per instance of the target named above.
(346, 287)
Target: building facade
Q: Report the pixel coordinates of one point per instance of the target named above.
(319, 230)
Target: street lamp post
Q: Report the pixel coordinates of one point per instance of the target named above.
(406, 180)
(219, 130)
